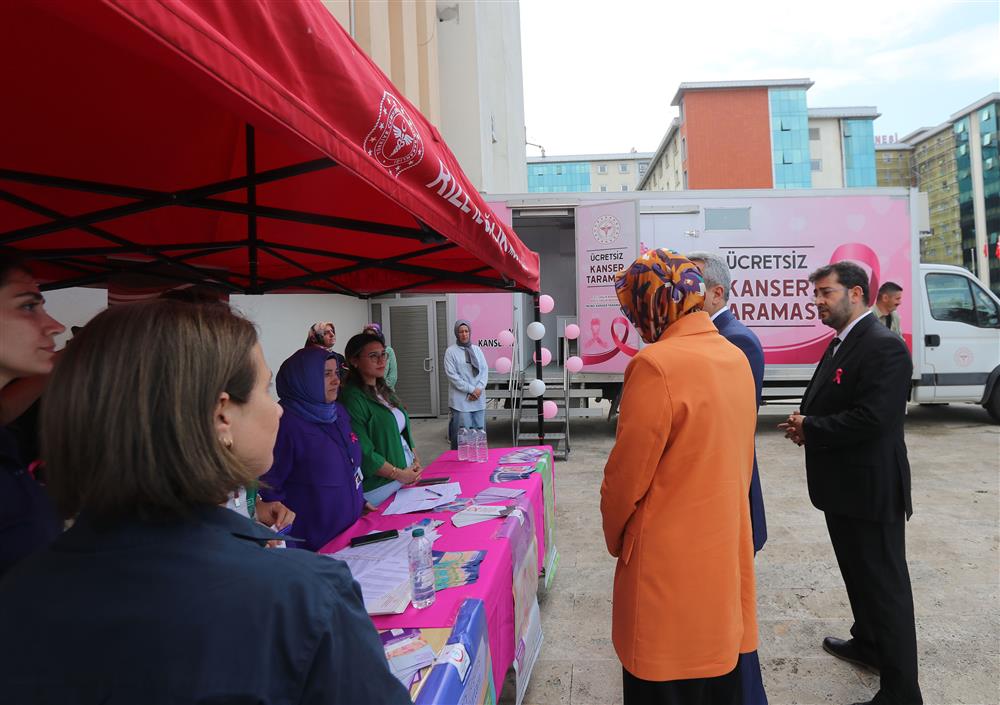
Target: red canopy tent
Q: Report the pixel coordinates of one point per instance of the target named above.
(251, 144)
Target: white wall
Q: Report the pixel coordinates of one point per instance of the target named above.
(482, 94)
(828, 148)
(74, 307)
(284, 319)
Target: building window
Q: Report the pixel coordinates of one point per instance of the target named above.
(559, 170)
(814, 134)
(816, 164)
(886, 158)
(684, 150)
(990, 163)
(985, 115)
(624, 187)
(603, 188)
(602, 168)
(623, 168)
(643, 166)
(959, 129)
(987, 139)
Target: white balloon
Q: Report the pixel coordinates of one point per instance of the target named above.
(536, 331)
(536, 388)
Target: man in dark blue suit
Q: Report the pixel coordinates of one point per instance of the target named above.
(717, 282)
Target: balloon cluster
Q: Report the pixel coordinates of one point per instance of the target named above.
(536, 331)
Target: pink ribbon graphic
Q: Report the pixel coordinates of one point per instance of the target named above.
(862, 254)
(620, 345)
(836, 376)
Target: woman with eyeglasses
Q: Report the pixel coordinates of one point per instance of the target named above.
(317, 458)
(388, 458)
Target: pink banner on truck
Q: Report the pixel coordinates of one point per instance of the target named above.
(606, 236)
(788, 239)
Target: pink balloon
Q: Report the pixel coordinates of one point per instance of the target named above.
(574, 364)
(572, 331)
(546, 303)
(503, 365)
(546, 357)
(549, 409)
(506, 338)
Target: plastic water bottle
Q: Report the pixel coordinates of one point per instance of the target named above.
(482, 448)
(463, 444)
(421, 570)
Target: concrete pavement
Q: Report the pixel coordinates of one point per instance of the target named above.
(953, 550)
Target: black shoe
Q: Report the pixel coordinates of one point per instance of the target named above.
(847, 651)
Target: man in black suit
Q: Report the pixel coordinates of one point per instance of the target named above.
(717, 282)
(852, 427)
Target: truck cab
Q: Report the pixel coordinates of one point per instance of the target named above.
(956, 341)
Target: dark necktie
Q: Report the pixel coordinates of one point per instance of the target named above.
(888, 320)
(821, 372)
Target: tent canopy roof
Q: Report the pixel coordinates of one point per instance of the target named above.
(250, 144)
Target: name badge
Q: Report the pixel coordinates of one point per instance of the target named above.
(358, 477)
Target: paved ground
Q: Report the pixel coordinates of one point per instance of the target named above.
(952, 545)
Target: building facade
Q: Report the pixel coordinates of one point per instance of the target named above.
(587, 172)
(956, 164)
(762, 134)
(460, 64)
(894, 165)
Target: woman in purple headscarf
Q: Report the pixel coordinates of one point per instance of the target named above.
(317, 458)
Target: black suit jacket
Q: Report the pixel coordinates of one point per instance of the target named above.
(855, 404)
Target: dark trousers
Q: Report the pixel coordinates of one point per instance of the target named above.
(872, 559)
(751, 681)
(721, 690)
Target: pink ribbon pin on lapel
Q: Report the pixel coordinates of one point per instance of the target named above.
(836, 377)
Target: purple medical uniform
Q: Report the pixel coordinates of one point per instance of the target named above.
(317, 474)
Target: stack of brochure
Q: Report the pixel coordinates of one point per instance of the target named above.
(477, 513)
(407, 653)
(497, 494)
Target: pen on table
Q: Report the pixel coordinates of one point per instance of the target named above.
(428, 489)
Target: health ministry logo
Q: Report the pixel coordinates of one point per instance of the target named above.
(607, 229)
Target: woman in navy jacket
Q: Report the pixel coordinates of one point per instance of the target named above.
(317, 458)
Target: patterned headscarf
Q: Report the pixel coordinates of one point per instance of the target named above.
(657, 289)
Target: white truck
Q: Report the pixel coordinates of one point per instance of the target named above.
(772, 241)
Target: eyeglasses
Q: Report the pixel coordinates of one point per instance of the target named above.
(377, 356)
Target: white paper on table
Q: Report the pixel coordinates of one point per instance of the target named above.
(477, 513)
(422, 499)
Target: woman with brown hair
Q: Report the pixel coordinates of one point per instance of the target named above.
(388, 458)
(157, 593)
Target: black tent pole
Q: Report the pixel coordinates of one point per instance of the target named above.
(538, 370)
(252, 217)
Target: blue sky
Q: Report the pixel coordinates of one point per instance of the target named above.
(597, 81)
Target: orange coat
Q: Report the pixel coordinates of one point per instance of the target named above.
(675, 503)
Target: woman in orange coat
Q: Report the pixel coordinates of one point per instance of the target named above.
(674, 496)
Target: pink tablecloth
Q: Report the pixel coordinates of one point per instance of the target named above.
(494, 586)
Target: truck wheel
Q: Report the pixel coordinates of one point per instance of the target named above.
(993, 405)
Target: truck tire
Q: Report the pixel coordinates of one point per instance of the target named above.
(993, 405)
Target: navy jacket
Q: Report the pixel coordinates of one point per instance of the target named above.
(745, 339)
(28, 519)
(187, 612)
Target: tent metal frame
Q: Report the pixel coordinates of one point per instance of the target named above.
(177, 257)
